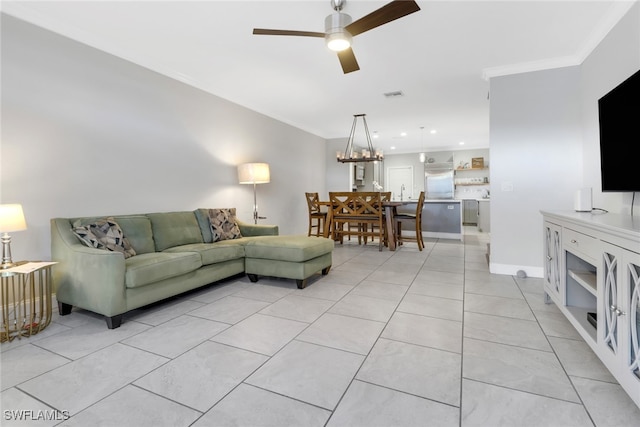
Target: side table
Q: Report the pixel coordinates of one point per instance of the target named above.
(25, 293)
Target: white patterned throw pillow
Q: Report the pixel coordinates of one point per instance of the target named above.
(223, 224)
(104, 234)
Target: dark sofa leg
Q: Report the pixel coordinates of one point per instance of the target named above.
(301, 283)
(325, 271)
(64, 309)
(252, 277)
(114, 321)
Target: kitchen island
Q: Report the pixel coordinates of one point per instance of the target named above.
(441, 218)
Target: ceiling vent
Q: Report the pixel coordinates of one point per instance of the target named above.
(396, 94)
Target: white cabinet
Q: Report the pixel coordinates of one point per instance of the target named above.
(592, 273)
(619, 327)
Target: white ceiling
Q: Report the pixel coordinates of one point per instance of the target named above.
(438, 57)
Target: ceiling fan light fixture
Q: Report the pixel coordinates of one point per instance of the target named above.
(338, 41)
(336, 37)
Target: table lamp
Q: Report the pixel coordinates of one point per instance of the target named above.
(254, 173)
(11, 219)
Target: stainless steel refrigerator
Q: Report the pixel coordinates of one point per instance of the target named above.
(439, 180)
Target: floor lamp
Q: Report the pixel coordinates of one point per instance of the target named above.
(254, 173)
(11, 219)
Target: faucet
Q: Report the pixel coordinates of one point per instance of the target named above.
(402, 188)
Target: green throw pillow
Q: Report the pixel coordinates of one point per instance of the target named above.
(104, 234)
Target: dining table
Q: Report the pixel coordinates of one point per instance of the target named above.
(390, 208)
(328, 222)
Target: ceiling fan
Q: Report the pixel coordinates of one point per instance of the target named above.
(339, 28)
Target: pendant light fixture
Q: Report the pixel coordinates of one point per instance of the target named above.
(422, 153)
(368, 154)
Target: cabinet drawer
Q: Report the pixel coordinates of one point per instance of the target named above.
(575, 241)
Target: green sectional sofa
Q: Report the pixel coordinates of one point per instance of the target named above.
(170, 253)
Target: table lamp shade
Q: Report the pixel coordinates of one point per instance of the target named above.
(253, 173)
(12, 218)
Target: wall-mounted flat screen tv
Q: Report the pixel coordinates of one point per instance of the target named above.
(619, 113)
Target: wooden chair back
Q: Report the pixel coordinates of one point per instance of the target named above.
(362, 208)
(417, 217)
(419, 208)
(317, 218)
(313, 202)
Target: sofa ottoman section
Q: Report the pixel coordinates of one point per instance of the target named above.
(288, 257)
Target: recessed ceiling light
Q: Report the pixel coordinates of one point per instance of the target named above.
(375, 134)
(461, 142)
(393, 148)
(403, 134)
(432, 131)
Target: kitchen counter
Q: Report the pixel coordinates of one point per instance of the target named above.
(441, 218)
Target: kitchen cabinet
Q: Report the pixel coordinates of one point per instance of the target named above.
(592, 273)
(470, 211)
(441, 219)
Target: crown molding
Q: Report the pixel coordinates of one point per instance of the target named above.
(618, 9)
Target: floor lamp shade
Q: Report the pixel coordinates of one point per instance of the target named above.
(253, 173)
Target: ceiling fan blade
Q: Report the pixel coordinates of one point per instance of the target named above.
(262, 31)
(387, 13)
(348, 61)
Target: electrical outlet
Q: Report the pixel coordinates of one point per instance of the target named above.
(506, 186)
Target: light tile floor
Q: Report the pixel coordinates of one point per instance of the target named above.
(403, 338)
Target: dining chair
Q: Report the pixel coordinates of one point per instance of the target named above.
(385, 196)
(317, 218)
(415, 218)
(362, 208)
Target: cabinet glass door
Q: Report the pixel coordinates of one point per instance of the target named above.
(552, 259)
(634, 317)
(610, 302)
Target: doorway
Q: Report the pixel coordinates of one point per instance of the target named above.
(400, 182)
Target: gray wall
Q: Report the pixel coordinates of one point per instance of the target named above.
(615, 59)
(87, 133)
(536, 151)
(544, 145)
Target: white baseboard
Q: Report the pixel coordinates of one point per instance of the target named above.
(512, 270)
